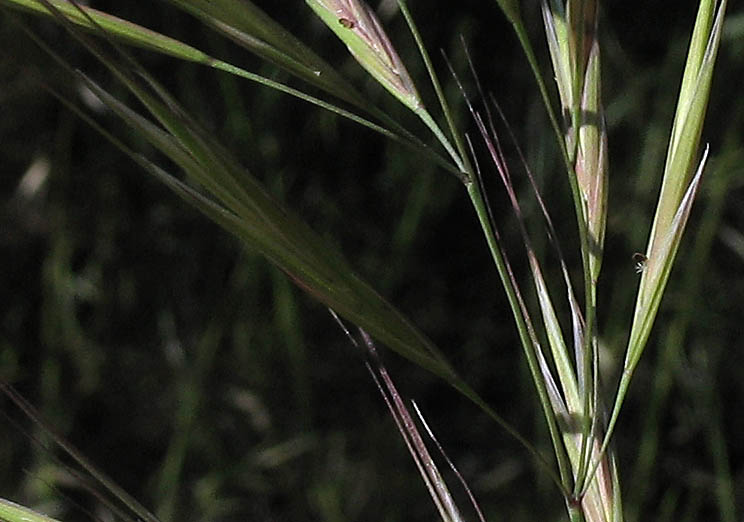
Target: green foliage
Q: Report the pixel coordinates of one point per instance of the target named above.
(240, 411)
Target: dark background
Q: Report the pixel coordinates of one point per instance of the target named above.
(209, 387)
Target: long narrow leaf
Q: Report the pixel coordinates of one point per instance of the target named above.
(133, 34)
(273, 230)
(252, 28)
(316, 266)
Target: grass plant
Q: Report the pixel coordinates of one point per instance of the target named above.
(553, 291)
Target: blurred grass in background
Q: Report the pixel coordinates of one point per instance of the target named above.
(209, 387)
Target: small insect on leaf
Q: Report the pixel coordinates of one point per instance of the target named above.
(349, 24)
(640, 261)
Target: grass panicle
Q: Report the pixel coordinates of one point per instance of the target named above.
(226, 193)
(562, 353)
(572, 35)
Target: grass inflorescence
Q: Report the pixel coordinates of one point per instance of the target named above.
(552, 299)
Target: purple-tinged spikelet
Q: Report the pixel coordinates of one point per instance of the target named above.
(356, 24)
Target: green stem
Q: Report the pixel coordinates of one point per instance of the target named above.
(479, 204)
(459, 143)
(478, 201)
(465, 169)
(622, 390)
(575, 513)
(476, 399)
(569, 162)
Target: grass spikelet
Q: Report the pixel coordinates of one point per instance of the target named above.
(574, 51)
(592, 163)
(681, 176)
(358, 27)
(679, 186)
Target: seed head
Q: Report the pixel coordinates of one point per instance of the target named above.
(356, 24)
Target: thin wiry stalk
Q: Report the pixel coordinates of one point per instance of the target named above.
(329, 14)
(102, 479)
(526, 45)
(590, 393)
(462, 151)
(428, 470)
(427, 467)
(367, 50)
(553, 329)
(357, 26)
(566, 155)
(528, 338)
(451, 464)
